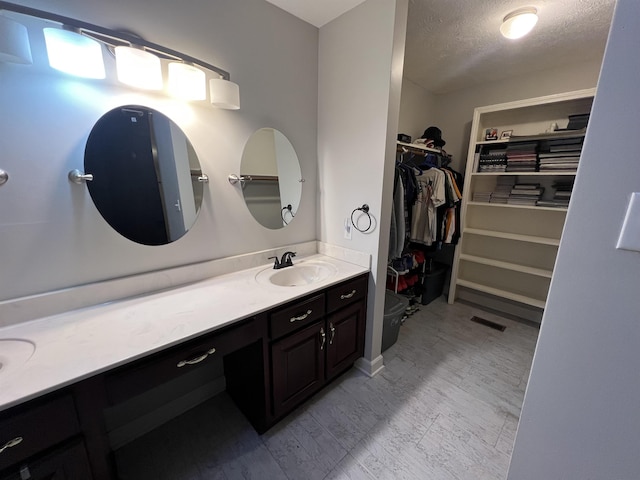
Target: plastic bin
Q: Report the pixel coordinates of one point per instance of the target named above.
(394, 307)
(433, 283)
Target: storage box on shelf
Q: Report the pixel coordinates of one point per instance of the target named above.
(518, 190)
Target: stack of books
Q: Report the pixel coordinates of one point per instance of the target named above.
(578, 121)
(563, 155)
(493, 161)
(503, 189)
(562, 194)
(522, 157)
(525, 194)
(482, 197)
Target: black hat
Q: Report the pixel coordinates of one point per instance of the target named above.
(434, 133)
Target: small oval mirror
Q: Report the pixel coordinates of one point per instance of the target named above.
(272, 181)
(147, 180)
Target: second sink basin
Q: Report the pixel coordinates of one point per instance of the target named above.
(14, 352)
(297, 275)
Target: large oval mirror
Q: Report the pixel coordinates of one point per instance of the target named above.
(271, 178)
(147, 180)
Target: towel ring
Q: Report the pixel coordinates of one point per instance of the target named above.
(284, 210)
(364, 209)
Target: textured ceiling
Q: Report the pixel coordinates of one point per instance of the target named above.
(455, 44)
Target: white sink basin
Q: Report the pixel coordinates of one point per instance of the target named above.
(14, 352)
(298, 275)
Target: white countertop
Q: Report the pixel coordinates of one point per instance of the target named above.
(77, 344)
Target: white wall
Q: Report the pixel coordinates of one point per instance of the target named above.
(580, 416)
(452, 112)
(361, 57)
(417, 109)
(51, 234)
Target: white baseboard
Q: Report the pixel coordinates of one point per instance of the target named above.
(370, 367)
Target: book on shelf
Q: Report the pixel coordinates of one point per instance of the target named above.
(552, 203)
(565, 148)
(523, 201)
(568, 154)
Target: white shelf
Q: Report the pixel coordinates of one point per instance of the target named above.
(524, 207)
(514, 236)
(539, 272)
(419, 147)
(507, 248)
(492, 142)
(535, 138)
(524, 174)
(534, 302)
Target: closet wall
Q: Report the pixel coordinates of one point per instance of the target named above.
(417, 109)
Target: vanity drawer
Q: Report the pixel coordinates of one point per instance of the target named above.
(347, 293)
(39, 425)
(297, 315)
(151, 372)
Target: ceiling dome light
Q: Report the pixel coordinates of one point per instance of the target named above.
(224, 94)
(519, 22)
(187, 82)
(14, 42)
(73, 53)
(138, 68)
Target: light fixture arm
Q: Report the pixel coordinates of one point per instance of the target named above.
(113, 34)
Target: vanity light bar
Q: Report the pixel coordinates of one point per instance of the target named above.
(115, 38)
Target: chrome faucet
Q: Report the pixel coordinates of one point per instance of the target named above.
(284, 262)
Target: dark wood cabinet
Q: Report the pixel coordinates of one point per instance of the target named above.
(298, 366)
(41, 440)
(345, 338)
(68, 462)
(305, 360)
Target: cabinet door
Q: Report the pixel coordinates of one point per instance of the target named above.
(297, 367)
(36, 426)
(345, 338)
(68, 463)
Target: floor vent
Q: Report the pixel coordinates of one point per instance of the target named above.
(488, 323)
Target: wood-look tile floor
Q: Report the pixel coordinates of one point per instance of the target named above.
(446, 406)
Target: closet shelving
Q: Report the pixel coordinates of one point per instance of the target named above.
(506, 254)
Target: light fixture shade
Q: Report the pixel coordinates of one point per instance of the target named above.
(73, 53)
(138, 68)
(187, 82)
(14, 42)
(224, 94)
(519, 22)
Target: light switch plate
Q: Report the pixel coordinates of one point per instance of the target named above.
(630, 233)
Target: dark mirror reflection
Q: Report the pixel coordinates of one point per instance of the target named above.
(145, 175)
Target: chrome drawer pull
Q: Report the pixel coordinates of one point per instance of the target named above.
(347, 295)
(197, 359)
(323, 338)
(301, 317)
(333, 333)
(11, 443)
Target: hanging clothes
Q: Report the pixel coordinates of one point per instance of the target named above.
(431, 195)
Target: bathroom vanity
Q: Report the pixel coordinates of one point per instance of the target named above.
(279, 345)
